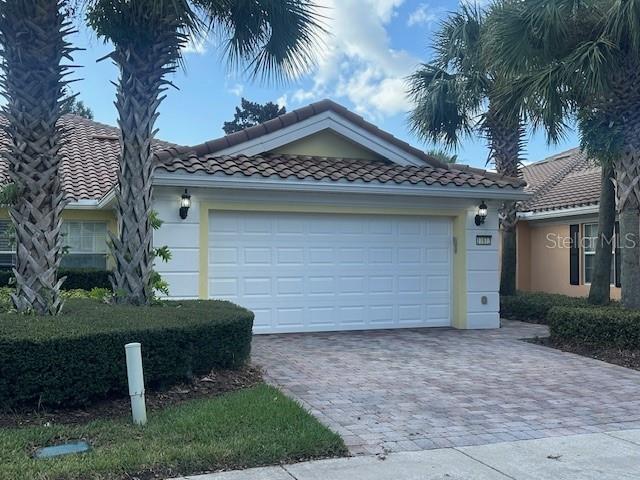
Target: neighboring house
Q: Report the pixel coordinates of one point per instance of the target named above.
(316, 220)
(558, 230)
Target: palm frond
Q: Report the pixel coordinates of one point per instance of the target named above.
(540, 97)
(120, 20)
(528, 35)
(510, 45)
(273, 38)
(439, 114)
(623, 24)
(457, 42)
(590, 65)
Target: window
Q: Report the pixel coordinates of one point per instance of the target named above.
(589, 242)
(86, 243)
(7, 245)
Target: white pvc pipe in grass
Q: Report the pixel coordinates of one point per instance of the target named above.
(136, 383)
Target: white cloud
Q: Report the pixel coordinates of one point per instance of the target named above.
(423, 15)
(283, 101)
(357, 61)
(236, 89)
(196, 45)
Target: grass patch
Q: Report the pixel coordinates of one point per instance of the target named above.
(253, 427)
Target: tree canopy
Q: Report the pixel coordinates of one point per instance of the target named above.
(77, 107)
(250, 113)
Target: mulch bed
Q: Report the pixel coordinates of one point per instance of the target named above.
(616, 356)
(216, 383)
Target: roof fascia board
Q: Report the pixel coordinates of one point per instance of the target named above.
(322, 121)
(108, 199)
(83, 205)
(560, 213)
(240, 181)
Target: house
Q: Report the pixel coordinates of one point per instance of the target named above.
(558, 226)
(316, 220)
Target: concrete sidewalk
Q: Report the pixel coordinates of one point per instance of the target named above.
(598, 456)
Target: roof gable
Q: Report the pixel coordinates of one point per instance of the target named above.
(307, 121)
(327, 143)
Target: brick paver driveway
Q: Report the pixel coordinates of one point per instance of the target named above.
(418, 389)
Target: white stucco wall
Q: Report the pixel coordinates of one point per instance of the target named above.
(483, 275)
(183, 237)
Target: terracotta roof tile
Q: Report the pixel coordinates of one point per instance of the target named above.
(335, 169)
(90, 157)
(567, 180)
(90, 164)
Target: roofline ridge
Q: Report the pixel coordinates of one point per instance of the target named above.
(484, 172)
(553, 158)
(558, 176)
(89, 121)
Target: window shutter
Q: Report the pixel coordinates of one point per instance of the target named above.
(617, 255)
(574, 255)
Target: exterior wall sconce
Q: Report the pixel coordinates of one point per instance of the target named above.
(185, 204)
(482, 213)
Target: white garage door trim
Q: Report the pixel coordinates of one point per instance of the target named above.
(303, 272)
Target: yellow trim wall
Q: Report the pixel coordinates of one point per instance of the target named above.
(327, 144)
(459, 280)
(459, 290)
(108, 216)
(82, 215)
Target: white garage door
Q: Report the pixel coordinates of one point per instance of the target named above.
(304, 272)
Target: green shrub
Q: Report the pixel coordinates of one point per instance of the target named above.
(78, 357)
(100, 294)
(5, 299)
(534, 306)
(6, 277)
(77, 278)
(600, 326)
(85, 279)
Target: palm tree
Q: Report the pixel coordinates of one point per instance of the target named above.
(582, 58)
(443, 155)
(600, 290)
(274, 37)
(32, 48)
(456, 95)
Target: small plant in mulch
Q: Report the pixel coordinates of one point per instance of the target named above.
(617, 356)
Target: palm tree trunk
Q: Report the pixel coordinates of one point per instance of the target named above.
(505, 142)
(600, 291)
(32, 37)
(509, 220)
(627, 168)
(143, 67)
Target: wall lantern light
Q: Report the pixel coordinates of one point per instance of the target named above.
(185, 204)
(482, 213)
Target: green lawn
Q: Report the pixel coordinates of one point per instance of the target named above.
(258, 426)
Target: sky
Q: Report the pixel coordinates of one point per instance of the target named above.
(372, 47)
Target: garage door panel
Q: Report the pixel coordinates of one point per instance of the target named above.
(224, 287)
(316, 272)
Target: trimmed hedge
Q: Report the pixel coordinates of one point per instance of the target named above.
(600, 326)
(77, 278)
(78, 357)
(534, 307)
